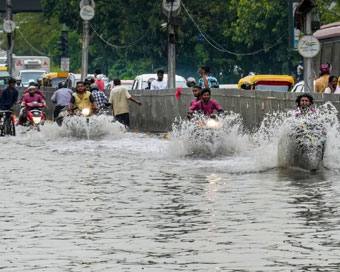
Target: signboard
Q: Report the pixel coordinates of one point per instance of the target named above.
(172, 7)
(65, 64)
(9, 26)
(308, 46)
(22, 6)
(92, 4)
(87, 13)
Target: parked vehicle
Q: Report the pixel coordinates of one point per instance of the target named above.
(127, 83)
(72, 80)
(141, 81)
(4, 76)
(27, 76)
(53, 79)
(228, 86)
(279, 83)
(30, 63)
(299, 87)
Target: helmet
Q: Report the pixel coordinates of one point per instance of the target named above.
(191, 82)
(90, 79)
(325, 68)
(62, 84)
(94, 86)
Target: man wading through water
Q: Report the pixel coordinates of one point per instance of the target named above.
(119, 98)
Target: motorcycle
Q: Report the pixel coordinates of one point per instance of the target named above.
(85, 112)
(35, 115)
(7, 123)
(208, 127)
(304, 147)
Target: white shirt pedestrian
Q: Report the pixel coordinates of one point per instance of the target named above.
(159, 85)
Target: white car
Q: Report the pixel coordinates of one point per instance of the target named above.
(300, 87)
(141, 81)
(28, 76)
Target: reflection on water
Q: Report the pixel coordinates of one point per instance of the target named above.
(123, 202)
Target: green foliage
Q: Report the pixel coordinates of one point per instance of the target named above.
(240, 26)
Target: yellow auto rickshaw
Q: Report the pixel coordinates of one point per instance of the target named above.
(280, 83)
(52, 79)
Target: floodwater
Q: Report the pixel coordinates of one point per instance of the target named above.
(101, 199)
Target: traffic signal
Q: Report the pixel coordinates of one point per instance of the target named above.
(63, 44)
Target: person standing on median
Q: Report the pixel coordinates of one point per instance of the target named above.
(159, 83)
(119, 97)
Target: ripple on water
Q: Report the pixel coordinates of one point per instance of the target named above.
(126, 204)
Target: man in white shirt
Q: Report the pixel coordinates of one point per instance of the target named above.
(119, 97)
(159, 84)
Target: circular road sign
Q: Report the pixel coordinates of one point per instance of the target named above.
(9, 26)
(87, 13)
(308, 46)
(172, 7)
(82, 4)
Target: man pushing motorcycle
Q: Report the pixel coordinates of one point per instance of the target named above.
(82, 99)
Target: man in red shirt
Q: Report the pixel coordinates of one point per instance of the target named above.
(206, 105)
(29, 97)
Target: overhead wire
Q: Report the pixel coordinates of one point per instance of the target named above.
(118, 46)
(36, 50)
(220, 48)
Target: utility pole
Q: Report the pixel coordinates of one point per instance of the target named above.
(172, 8)
(9, 38)
(171, 56)
(308, 45)
(86, 13)
(308, 70)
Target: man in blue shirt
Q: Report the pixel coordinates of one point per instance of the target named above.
(207, 80)
(9, 96)
(61, 97)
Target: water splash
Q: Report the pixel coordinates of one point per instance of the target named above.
(286, 140)
(195, 138)
(99, 127)
(263, 149)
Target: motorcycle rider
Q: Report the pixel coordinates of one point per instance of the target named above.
(82, 99)
(196, 90)
(37, 89)
(304, 105)
(205, 105)
(322, 82)
(29, 97)
(100, 97)
(9, 95)
(61, 98)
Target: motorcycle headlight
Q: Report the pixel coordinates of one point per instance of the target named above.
(36, 120)
(85, 112)
(212, 123)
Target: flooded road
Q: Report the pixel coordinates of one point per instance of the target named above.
(130, 202)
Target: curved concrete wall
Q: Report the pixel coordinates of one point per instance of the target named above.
(160, 108)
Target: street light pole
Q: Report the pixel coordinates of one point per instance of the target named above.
(308, 71)
(171, 56)
(85, 49)
(9, 38)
